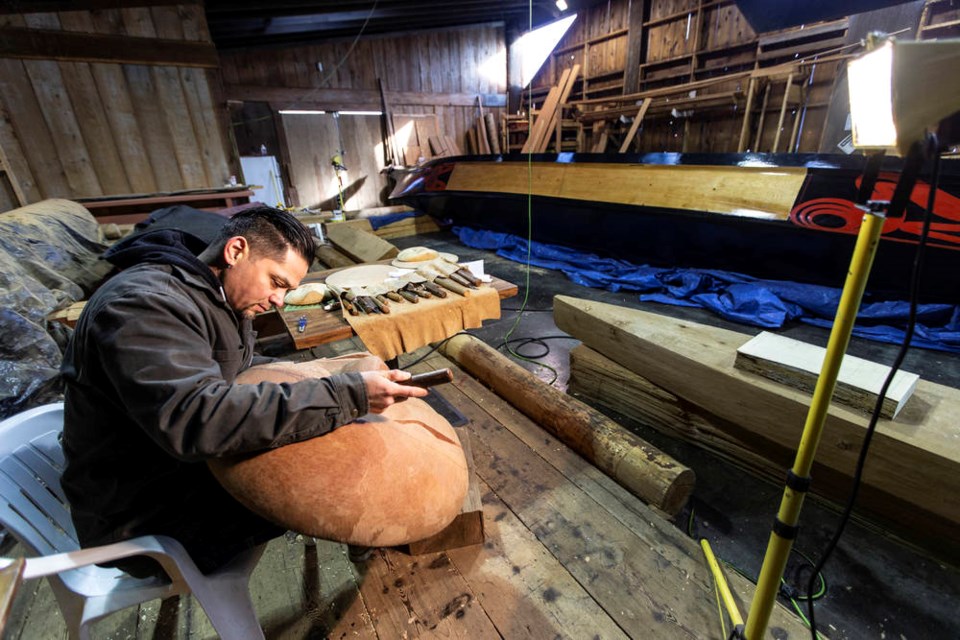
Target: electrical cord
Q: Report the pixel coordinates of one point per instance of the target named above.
(786, 590)
(901, 354)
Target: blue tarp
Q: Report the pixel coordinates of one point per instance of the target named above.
(379, 221)
(734, 296)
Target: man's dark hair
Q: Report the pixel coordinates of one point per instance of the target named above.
(270, 232)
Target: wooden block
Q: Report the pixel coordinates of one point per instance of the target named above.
(797, 364)
(913, 474)
(69, 315)
(467, 528)
(332, 258)
(360, 245)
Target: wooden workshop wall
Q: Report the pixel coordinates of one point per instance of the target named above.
(679, 42)
(72, 128)
(440, 72)
(597, 41)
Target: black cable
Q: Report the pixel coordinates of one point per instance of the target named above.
(522, 342)
(905, 345)
(437, 346)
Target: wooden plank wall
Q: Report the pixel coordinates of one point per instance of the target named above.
(82, 129)
(439, 72)
(597, 41)
(684, 41)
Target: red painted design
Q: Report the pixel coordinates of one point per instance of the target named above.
(839, 215)
(436, 180)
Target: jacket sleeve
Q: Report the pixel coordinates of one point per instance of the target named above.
(165, 360)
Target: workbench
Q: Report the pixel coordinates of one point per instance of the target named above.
(328, 326)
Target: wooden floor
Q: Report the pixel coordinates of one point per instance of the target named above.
(568, 553)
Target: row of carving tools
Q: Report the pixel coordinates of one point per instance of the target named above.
(436, 279)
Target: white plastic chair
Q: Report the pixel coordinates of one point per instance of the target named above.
(34, 509)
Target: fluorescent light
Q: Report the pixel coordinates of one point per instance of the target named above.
(301, 112)
(562, 5)
(870, 79)
(361, 113)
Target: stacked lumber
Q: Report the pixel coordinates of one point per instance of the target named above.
(483, 137)
(444, 145)
(680, 377)
(421, 138)
(551, 112)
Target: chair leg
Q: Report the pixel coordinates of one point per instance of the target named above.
(228, 605)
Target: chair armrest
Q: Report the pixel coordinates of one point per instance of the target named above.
(153, 546)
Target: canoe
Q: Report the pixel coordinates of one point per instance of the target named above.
(775, 216)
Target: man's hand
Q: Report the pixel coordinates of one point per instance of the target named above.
(383, 389)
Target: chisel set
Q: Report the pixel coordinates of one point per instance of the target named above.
(435, 279)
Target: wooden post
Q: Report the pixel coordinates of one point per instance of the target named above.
(639, 467)
(783, 112)
(491, 124)
(745, 129)
(796, 119)
(763, 115)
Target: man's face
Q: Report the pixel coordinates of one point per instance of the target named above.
(255, 284)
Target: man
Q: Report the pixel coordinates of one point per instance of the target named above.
(150, 391)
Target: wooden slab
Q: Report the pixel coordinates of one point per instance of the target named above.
(467, 528)
(914, 461)
(797, 364)
(360, 245)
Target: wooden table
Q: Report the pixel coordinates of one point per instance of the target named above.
(330, 326)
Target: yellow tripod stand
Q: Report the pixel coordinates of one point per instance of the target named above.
(798, 479)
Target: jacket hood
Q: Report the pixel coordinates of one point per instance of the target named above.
(162, 246)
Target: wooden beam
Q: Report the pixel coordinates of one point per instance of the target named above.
(636, 125)
(783, 112)
(44, 6)
(43, 44)
(636, 47)
(367, 99)
(914, 469)
(745, 128)
(467, 528)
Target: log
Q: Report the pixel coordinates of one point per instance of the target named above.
(913, 474)
(645, 471)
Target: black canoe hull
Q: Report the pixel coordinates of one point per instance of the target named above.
(814, 244)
